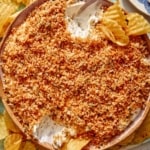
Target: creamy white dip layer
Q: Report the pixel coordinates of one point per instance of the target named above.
(81, 25)
(47, 131)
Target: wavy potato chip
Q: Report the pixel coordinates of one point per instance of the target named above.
(13, 142)
(30, 1)
(10, 124)
(6, 1)
(75, 144)
(25, 2)
(19, 1)
(107, 32)
(6, 9)
(137, 24)
(114, 32)
(116, 13)
(3, 128)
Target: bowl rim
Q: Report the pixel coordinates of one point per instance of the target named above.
(18, 21)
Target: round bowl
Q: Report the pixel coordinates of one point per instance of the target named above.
(131, 128)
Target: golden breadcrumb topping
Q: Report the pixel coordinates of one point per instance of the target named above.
(92, 85)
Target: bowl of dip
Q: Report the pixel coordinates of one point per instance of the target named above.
(63, 82)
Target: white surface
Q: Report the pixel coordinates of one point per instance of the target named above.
(139, 6)
(130, 8)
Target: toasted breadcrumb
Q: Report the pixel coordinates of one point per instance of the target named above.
(92, 85)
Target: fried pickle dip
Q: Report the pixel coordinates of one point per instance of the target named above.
(63, 83)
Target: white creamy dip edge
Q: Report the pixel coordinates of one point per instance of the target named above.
(81, 26)
(47, 131)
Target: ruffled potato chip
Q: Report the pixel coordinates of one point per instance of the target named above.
(75, 144)
(3, 128)
(6, 9)
(131, 24)
(114, 32)
(10, 124)
(25, 2)
(137, 24)
(116, 13)
(13, 142)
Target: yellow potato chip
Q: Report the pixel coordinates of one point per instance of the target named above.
(6, 9)
(30, 1)
(6, 1)
(116, 13)
(13, 16)
(3, 128)
(25, 2)
(107, 32)
(13, 142)
(22, 145)
(137, 24)
(114, 32)
(28, 146)
(10, 124)
(19, 1)
(75, 144)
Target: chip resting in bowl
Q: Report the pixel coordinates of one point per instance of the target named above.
(66, 86)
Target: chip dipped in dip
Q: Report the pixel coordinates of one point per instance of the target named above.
(62, 86)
